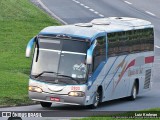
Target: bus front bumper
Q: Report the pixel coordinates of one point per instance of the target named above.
(56, 98)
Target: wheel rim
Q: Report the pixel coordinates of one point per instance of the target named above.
(134, 92)
(96, 99)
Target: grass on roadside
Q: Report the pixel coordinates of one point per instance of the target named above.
(20, 20)
(127, 115)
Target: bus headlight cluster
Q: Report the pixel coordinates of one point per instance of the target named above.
(76, 94)
(34, 89)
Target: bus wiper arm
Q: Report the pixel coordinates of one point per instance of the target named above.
(69, 77)
(45, 72)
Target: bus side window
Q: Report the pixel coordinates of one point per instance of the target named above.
(99, 54)
(113, 44)
(132, 41)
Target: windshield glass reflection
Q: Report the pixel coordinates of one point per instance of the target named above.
(65, 58)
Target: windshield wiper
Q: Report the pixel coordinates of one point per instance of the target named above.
(36, 76)
(69, 77)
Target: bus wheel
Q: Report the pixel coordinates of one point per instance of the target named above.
(134, 92)
(96, 100)
(46, 104)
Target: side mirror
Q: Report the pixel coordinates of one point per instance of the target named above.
(89, 59)
(90, 53)
(29, 47)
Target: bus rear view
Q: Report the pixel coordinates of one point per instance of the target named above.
(89, 63)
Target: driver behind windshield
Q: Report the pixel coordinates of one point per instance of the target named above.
(79, 69)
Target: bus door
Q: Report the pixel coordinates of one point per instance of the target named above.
(99, 54)
(98, 61)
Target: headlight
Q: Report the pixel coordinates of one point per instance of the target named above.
(34, 89)
(76, 94)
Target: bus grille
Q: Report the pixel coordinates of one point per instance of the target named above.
(147, 79)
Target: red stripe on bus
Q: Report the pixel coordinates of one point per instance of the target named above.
(149, 59)
(132, 63)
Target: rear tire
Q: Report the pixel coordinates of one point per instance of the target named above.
(46, 104)
(134, 92)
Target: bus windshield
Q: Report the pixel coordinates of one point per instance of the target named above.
(60, 61)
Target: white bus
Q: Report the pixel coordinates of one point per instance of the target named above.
(89, 63)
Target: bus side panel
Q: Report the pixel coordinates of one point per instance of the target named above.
(98, 80)
(142, 71)
(125, 70)
(148, 73)
(112, 79)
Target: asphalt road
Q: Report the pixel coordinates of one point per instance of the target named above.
(74, 11)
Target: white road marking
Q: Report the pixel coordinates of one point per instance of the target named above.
(77, 2)
(101, 15)
(82, 4)
(128, 2)
(150, 13)
(87, 7)
(96, 12)
(92, 10)
(52, 14)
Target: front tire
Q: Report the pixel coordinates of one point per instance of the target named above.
(46, 104)
(96, 100)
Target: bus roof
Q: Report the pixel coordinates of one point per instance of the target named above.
(97, 27)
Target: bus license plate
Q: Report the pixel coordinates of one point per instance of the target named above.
(55, 99)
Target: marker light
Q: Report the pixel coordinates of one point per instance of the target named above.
(34, 89)
(76, 94)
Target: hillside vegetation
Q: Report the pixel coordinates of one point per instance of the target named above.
(20, 20)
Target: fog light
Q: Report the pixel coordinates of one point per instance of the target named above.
(34, 89)
(76, 94)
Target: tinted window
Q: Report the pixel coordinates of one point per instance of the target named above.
(75, 46)
(50, 44)
(130, 41)
(68, 45)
